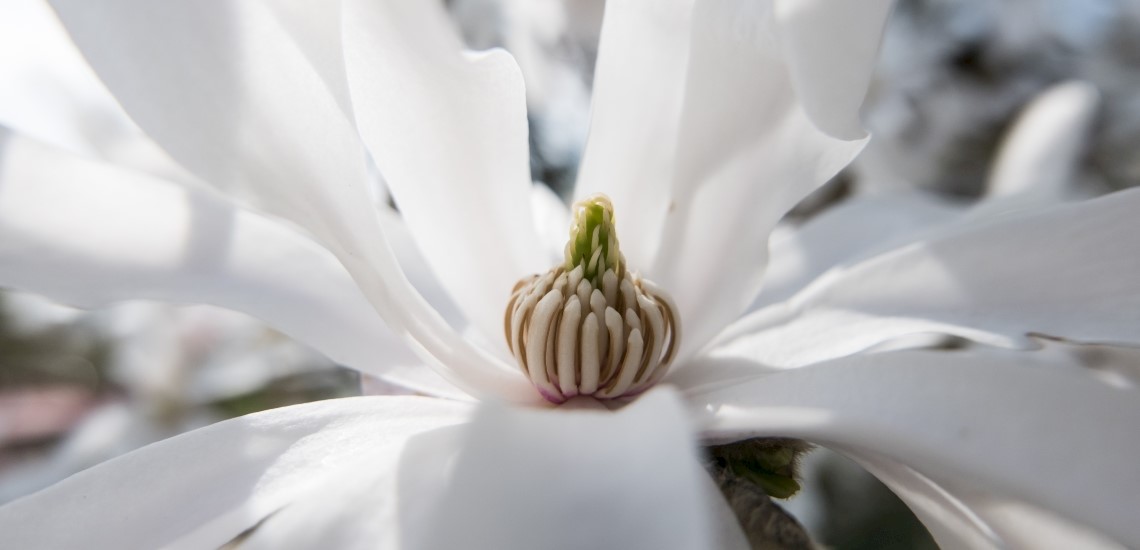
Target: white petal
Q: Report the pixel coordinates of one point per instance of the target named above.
(203, 488)
(1025, 526)
(448, 130)
(316, 29)
(573, 479)
(1065, 271)
(373, 502)
(552, 222)
(746, 155)
(964, 518)
(90, 234)
(228, 93)
(639, 87)
(831, 47)
(721, 151)
(851, 231)
(48, 91)
(1036, 163)
(950, 521)
(1034, 432)
(1040, 153)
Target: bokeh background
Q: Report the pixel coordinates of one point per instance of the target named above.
(79, 387)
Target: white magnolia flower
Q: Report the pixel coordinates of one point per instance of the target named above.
(710, 120)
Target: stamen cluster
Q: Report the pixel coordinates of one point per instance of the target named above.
(590, 327)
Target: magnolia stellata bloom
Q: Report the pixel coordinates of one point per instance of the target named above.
(710, 120)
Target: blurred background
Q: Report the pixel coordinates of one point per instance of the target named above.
(79, 387)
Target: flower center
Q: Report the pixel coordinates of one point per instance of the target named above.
(589, 326)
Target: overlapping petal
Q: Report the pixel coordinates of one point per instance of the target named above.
(230, 95)
(49, 92)
(731, 132)
(517, 478)
(1067, 271)
(90, 234)
(448, 130)
(204, 488)
(992, 420)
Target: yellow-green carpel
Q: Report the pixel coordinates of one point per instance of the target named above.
(590, 326)
(593, 240)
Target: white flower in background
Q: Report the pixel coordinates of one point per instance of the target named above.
(954, 72)
(710, 120)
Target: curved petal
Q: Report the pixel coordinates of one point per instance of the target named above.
(1040, 153)
(448, 131)
(1066, 271)
(575, 479)
(49, 92)
(1033, 432)
(228, 93)
(831, 47)
(962, 518)
(203, 488)
(522, 478)
(950, 521)
(1025, 526)
(89, 234)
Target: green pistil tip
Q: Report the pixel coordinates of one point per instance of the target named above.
(593, 239)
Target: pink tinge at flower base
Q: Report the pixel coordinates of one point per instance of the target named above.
(591, 326)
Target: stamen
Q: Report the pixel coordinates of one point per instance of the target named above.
(591, 327)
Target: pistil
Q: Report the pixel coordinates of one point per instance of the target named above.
(590, 326)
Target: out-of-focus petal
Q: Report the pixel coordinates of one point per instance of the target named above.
(203, 488)
(1068, 271)
(316, 29)
(48, 91)
(1024, 430)
(831, 46)
(1040, 153)
(448, 130)
(573, 479)
(89, 234)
